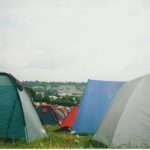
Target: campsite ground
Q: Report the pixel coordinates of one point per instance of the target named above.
(56, 140)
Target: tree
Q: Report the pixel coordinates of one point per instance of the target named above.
(46, 98)
(39, 98)
(31, 92)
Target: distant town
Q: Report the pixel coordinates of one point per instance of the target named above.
(61, 93)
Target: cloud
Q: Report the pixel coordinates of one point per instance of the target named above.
(74, 40)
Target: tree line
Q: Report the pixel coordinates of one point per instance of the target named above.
(64, 101)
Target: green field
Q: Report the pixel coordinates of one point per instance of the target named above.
(56, 140)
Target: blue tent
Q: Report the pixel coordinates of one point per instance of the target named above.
(47, 114)
(94, 103)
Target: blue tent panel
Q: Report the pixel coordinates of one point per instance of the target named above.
(94, 103)
(46, 117)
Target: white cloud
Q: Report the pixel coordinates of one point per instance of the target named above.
(74, 40)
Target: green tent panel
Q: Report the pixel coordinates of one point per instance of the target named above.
(18, 117)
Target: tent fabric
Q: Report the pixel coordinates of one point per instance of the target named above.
(69, 120)
(62, 108)
(127, 121)
(44, 110)
(94, 103)
(47, 114)
(60, 114)
(10, 109)
(17, 113)
(34, 126)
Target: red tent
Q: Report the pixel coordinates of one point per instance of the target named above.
(69, 120)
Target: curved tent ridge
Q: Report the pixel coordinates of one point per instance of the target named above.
(129, 117)
(15, 120)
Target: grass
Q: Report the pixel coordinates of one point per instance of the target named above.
(56, 140)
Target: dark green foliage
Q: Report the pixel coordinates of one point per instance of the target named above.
(62, 102)
(46, 98)
(52, 92)
(38, 98)
(31, 92)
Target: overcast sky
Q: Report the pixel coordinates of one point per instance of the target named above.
(75, 40)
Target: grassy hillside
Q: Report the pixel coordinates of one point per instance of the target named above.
(56, 140)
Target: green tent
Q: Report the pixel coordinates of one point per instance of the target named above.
(18, 116)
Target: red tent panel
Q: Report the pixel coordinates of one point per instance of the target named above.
(69, 120)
